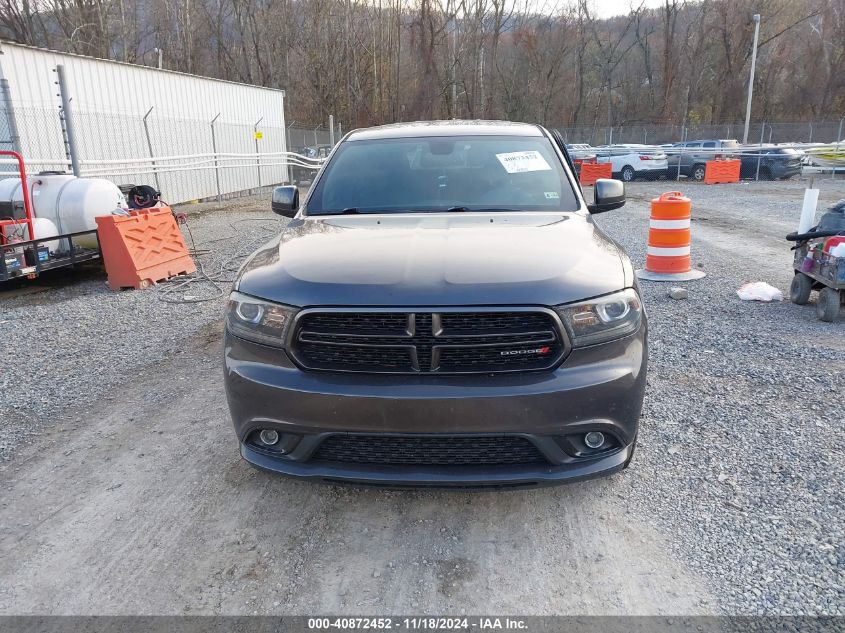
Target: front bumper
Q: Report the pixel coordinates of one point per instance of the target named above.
(439, 476)
(596, 388)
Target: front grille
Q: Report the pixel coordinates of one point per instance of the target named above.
(485, 341)
(453, 450)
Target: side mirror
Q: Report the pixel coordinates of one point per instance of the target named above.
(285, 200)
(608, 195)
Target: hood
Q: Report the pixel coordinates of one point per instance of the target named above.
(435, 260)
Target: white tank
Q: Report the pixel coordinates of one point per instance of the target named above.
(81, 201)
(44, 192)
(70, 203)
(44, 228)
(10, 189)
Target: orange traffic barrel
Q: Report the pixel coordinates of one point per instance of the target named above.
(668, 256)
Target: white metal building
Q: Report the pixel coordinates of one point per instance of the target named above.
(135, 124)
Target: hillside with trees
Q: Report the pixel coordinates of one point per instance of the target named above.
(555, 63)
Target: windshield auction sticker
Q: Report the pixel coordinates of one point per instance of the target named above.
(519, 162)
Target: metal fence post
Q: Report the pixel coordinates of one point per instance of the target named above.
(150, 148)
(257, 156)
(289, 150)
(14, 135)
(70, 132)
(681, 153)
(216, 162)
(331, 130)
(760, 150)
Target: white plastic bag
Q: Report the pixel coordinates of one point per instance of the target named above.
(759, 291)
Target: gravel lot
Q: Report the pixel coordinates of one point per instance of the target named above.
(58, 322)
(733, 504)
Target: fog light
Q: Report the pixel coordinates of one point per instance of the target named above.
(269, 437)
(593, 439)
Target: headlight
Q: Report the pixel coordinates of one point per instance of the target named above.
(257, 320)
(602, 319)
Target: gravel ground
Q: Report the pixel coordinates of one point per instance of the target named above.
(742, 449)
(81, 339)
(736, 487)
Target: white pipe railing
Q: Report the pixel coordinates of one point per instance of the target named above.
(157, 159)
(160, 164)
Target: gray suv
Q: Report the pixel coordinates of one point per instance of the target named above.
(693, 156)
(441, 311)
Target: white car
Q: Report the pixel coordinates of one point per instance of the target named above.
(632, 161)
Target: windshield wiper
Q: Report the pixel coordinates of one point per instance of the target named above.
(350, 210)
(479, 209)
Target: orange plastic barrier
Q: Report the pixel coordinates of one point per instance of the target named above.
(721, 171)
(590, 172)
(668, 256)
(142, 248)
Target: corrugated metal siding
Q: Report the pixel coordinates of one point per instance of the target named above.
(109, 101)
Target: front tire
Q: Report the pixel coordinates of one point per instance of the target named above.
(800, 288)
(827, 304)
(698, 172)
(628, 173)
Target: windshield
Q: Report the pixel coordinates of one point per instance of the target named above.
(428, 174)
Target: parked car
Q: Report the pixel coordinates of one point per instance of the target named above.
(775, 163)
(442, 310)
(693, 156)
(631, 161)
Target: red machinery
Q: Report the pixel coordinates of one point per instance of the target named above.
(27, 205)
(29, 258)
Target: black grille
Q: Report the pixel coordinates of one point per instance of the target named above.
(474, 322)
(428, 341)
(455, 450)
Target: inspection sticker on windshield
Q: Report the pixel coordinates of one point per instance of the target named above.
(519, 162)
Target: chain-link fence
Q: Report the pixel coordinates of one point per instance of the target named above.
(184, 158)
(650, 134)
(303, 138)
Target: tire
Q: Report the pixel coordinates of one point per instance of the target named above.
(698, 172)
(628, 173)
(800, 288)
(827, 305)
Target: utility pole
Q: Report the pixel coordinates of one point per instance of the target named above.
(455, 66)
(67, 120)
(751, 77)
(481, 108)
(609, 107)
